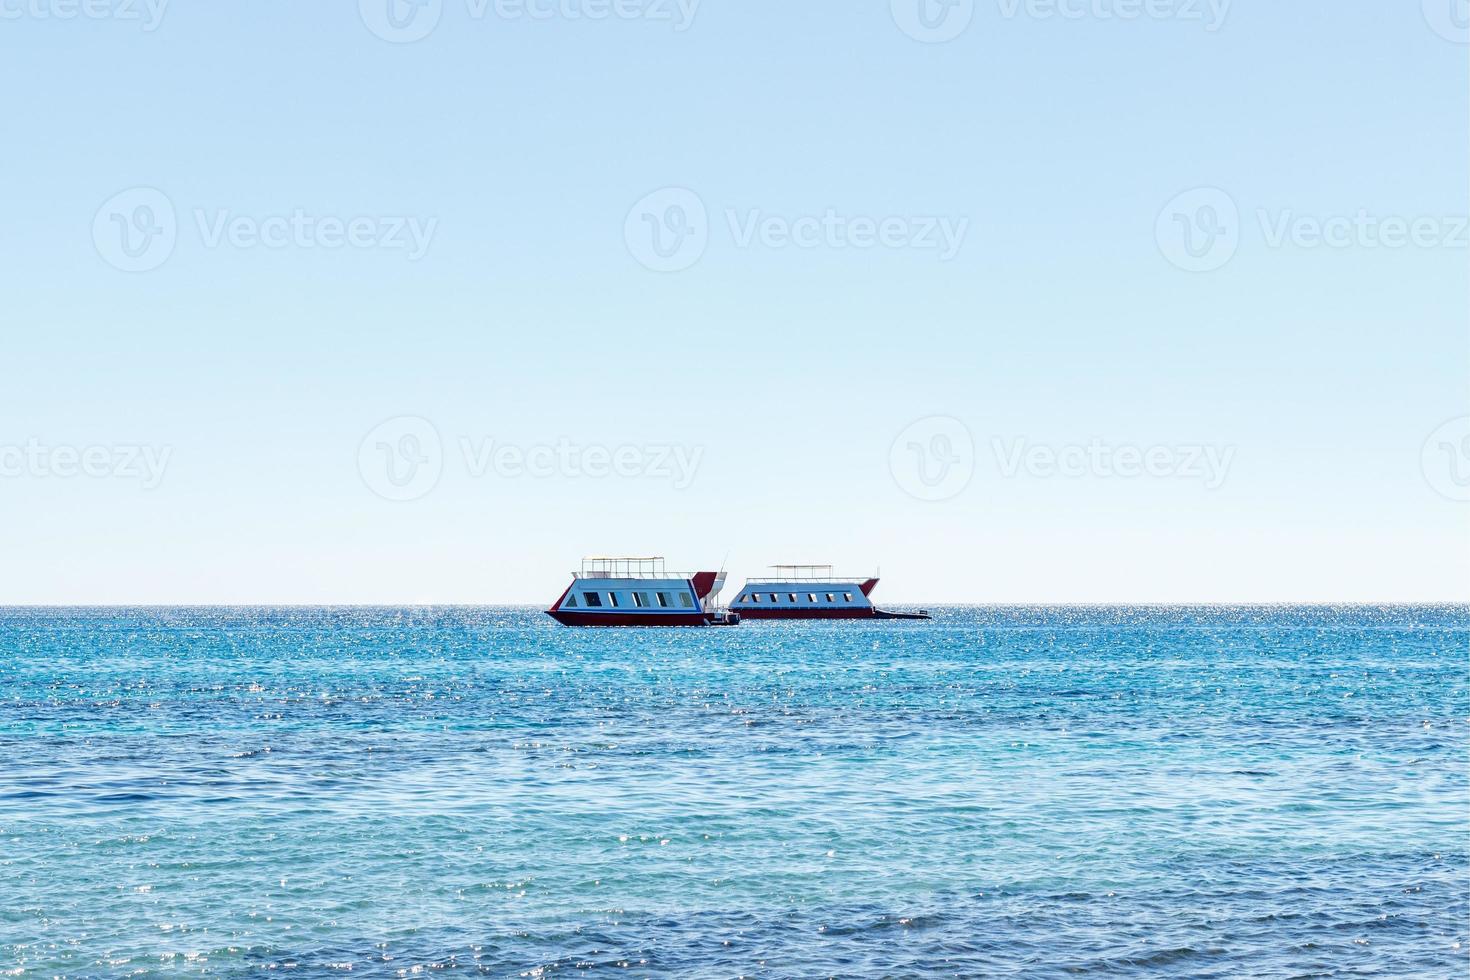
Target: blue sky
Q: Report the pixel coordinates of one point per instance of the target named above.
(1098, 301)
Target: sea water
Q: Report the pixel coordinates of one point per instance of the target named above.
(1204, 792)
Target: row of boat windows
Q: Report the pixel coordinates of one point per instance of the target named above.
(640, 600)
(791, 597)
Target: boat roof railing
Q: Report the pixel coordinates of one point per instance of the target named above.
(619, 567)
(806, 573)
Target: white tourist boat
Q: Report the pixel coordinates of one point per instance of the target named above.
(811, 592)
(640, 592)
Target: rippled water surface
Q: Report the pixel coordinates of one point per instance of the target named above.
(1034, 792)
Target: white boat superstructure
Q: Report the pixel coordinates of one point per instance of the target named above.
(811, 592)
(619, 591)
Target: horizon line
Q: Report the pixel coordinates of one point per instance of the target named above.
(1181, 604)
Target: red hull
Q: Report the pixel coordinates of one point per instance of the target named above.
(755, 612)
(615, 618)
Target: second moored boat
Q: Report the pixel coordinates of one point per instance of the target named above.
(811, 592)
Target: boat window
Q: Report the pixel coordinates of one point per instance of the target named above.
(811, 597)
(753, 597)
(571, 602)
(612, 598)
(640, 599)
(663, 600)
(830, 597)
(773, 597)
(847, 597)
(684, 600)
(791, 596)
(593, 599)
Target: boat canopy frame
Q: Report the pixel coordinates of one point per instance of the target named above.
(610, 567)
(806, 573)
